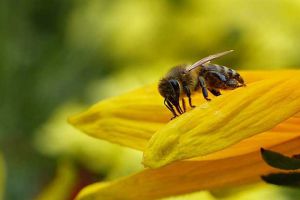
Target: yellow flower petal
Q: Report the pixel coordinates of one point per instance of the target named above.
(129, 119)
(252, 144)
(290, 125)
(224, 121)
(210, 172)
(132, 118)
(279, 134)
(61, 186)
(257, 75)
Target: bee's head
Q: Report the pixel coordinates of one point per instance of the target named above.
(239, 78)
(170, 90)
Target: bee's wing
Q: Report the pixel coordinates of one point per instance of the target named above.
(207, 59)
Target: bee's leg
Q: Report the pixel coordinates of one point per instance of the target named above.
(170, 107)
(188, 94)
(183, 105)
(219, 76)
(204, 89)
(214, 91)
(178, 108)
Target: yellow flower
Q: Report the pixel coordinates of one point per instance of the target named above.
(216, 135)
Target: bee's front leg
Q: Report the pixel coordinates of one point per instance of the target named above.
(203, 87)
(170, 107)
(178, 108)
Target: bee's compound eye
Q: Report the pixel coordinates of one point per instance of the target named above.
(175, 84)
(239, 78)
(176, 91)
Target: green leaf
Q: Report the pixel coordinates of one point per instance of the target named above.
(283, 179)
(280, 161)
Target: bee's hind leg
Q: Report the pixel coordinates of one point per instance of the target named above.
(203, 87)
(188, 94)
(214, 91)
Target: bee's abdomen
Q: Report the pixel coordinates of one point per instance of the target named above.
(230, 72)
(223, 70)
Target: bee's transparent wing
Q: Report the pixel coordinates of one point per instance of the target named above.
(207, 59)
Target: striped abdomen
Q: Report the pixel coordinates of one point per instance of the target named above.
(220, 77)
(229, 73)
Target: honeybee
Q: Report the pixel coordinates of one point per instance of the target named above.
(181, 81)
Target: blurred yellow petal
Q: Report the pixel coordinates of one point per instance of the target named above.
(62, 186)
(224, 121)
(238, 166)
(132, 118)
(256, 191)
(203, 195)
(92, 189)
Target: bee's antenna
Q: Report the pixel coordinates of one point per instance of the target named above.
(207, 59)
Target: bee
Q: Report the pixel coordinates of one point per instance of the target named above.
(181, 81)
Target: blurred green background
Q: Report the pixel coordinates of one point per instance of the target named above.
(58, 57)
